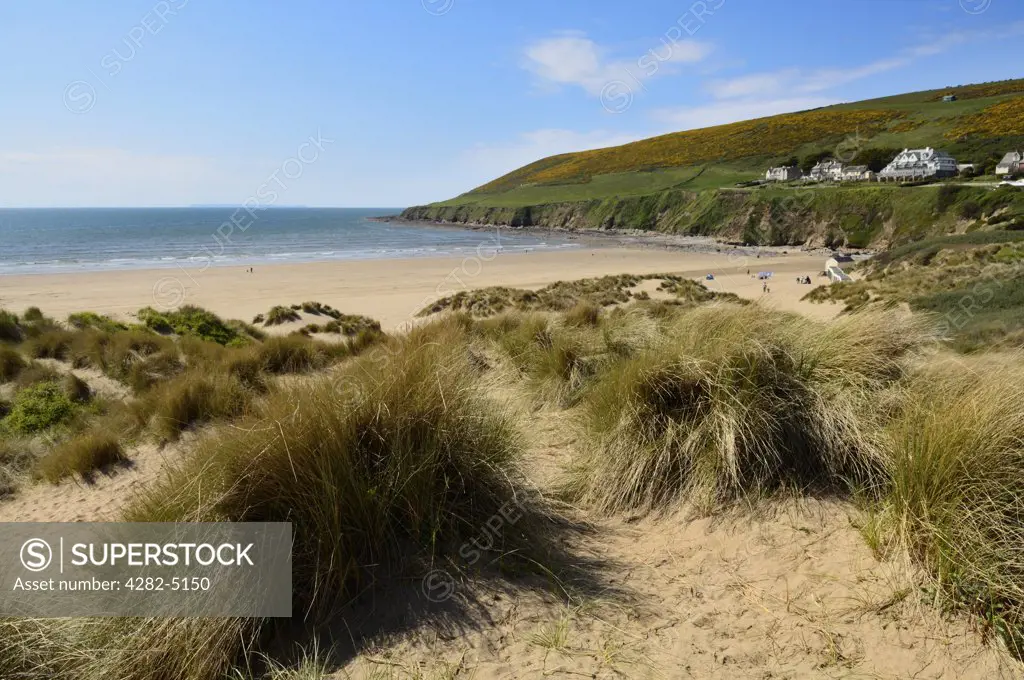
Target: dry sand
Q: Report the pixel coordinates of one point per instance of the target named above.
(392, 291)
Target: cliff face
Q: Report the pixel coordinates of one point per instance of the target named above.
(865, 216)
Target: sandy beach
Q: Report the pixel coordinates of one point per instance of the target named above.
(394, 290)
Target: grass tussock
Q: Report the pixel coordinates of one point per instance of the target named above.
(10, 330)
(16, 458)
(379, 479)
(189, 400)
(735, 401)
(956, 493)
(11, 364)
(280, 314)
(83, 455)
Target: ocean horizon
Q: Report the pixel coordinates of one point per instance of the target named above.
(60, 240)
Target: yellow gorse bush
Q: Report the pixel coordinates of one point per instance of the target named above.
(1004, 118)
(774, 135)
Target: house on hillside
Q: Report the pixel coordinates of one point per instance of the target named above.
(949, 98)
(1012, 164)
(786, 173)
(828, 170)
(966, 168)
(914, 164)
(857, 173)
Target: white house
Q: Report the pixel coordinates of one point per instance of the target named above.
(829, 170)
(857, 173)
(965, 168)
(834, 272)
(912, 164)
(1011, 164)
(784, 173)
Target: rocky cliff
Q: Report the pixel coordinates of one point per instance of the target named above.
(851, 216)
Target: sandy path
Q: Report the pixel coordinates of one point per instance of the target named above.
(790, 592)
(393, 290)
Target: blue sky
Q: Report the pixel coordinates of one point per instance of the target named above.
(179, 102)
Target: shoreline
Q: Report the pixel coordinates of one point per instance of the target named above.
(393, 291)
(633, 238)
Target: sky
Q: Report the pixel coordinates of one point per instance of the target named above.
(390, 103)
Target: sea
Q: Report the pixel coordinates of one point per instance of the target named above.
(46, 240)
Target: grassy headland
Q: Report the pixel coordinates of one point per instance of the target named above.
(685, 182)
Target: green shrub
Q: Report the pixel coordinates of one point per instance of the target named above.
(190, 320)
(37, 408)
(11, 364)
(100, 322)
(83, 455)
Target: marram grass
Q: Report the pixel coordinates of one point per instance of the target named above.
(736, 401)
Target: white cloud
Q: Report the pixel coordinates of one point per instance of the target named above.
(574, 59)
(718, 113)
(809, 81)
(751, 85)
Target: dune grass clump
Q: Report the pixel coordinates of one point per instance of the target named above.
(34, 373)
(189, 400)
(380, 479)
(51, 344)
(16, 457)
(33, 314)
(288, 354)
(739, 401)
(319, 309)
(583, 314)
(41, 649)
(351, 325)
(76, 389)
(280, 314)
(84, 455)
(955, 498)
(10, 330)
(11, 364)
(136, 358)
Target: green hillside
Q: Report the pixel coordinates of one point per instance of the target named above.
(984, 122)
(686, 182)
